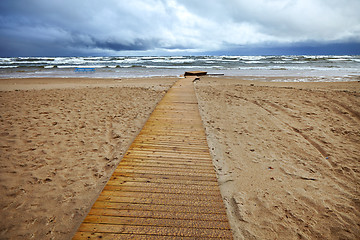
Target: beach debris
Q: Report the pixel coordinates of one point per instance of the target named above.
(216, 74)
(48, 180)
(195, 73)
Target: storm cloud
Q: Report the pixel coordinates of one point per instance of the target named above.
(152, 27)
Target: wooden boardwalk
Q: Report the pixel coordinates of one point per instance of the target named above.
(165, 187)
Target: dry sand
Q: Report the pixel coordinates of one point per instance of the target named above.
(59, 146)
(287, 156)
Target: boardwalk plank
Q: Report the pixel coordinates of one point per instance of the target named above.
(155, 230)
(170, 196)
(160, 201)
(158, 214)
(154, 222)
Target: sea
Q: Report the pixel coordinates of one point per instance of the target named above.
(303, 68)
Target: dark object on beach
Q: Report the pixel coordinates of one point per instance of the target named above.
(195, 73)
(196, 79)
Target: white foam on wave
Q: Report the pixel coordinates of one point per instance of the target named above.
(9, 66)
(81, 66)
(253, 61)
(338, 59)
(180, 67)
(252, 58)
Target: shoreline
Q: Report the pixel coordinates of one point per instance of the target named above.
(13, 84)
(290, 148)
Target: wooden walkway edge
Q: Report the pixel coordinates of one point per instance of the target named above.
(165, 187)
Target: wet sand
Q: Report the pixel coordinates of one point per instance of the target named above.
(286, 154)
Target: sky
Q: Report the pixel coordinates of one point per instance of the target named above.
(178, 27)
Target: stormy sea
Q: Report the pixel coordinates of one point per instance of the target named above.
(319, 68)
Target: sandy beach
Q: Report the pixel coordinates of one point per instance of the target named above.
(60, 141)
(286, 154)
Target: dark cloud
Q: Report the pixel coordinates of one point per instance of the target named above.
(136, 45)
(117, 27)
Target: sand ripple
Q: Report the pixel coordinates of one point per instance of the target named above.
(287, 156)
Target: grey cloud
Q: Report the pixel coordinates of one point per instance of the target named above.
(114, 26)
(137, 45)
(287, 20)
